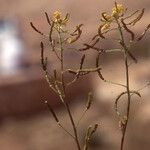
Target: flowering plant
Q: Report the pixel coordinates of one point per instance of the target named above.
(117, 21)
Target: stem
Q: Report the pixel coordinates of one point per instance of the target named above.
(62, 97)
(128, 103)
(65, 130)
(73, 125)
(127, 83)
(62, 60)
(83, 114)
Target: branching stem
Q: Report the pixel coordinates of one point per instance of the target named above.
(127, 83)
(64, 92)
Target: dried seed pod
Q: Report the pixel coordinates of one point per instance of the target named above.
(43, 60)
(89, 100)
(51, 31)
(77, 33)
(94, 129)
(89, 133)
(55, 74)
(82, 61)
(47, 18)
(97, 65)
(35, 29)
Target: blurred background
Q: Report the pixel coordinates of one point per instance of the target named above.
(25, 123)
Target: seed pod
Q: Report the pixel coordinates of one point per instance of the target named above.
(47, 18)
(35, 29)
(94, 129)
(55, 74)
(89, 100)
(43, 60)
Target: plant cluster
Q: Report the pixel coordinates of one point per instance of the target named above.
(120, 22)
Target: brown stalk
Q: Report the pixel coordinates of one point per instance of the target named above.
(64, 91)
(123, 44)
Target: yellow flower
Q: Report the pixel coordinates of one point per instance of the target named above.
(105, 26)
(116, 10)
(56, 16)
